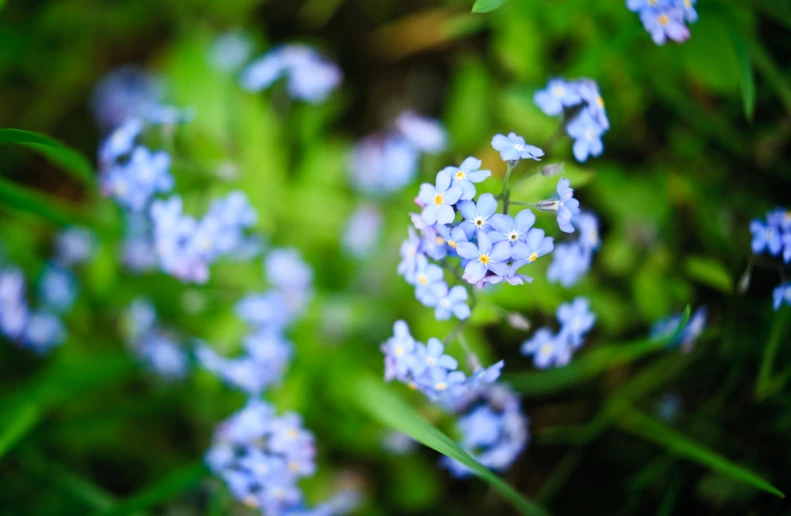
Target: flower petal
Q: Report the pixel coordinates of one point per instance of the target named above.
(474, 271)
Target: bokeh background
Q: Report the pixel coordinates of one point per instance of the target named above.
(699, 146)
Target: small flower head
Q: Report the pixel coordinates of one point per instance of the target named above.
(43, 332)
(448, 301)
(230, 51)
(575, 319)
(569, 263)
(548, 349)
(438, 200)
(466, 174)
(74, 245)
(57, 288)
(511, 230)
(477, 215)
(482, 256)
(766, 236)
(423, 133)
(513, 148)
(558, 95)
(665, 23)
(782, 294)
(587, 137)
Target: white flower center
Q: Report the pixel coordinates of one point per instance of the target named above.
(519, 147)
(558, 91)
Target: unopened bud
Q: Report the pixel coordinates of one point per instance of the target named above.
(744, 281)
(518, 321)
(552, 169)
(548, 205)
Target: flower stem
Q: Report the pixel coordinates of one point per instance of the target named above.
(505, 192)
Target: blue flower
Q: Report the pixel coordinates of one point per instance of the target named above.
(438, 200)
(14, 310)
(482, 256)
(447, 302)
(43, 332)
(640, 5)
(665, 23)
(466, 174)
(123, 94)
(57, 288)
(477, 215)
(557, 95)
(120, 142)
(512, 230)
(514, 148)
(264, 310)
(687, 336)
(575, 319)
(427, 276)
(548, 349)
(588, 226)
(450, 237)
(363, 230)
(765, 236)
(163, 355)
(594, 103)
(787, 246)
(134, 183)
(432, 356)
(569, 263)
(587, 137)
(506, 271)
(690, 14)
(410, 250)
(780, 294)
(74, 245)
(230, 50)
(564, 204)
(423, 133)
(536, 245)
(399, 352)
(379, 165)
(439, 382)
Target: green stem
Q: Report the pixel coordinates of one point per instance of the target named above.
(505, 193)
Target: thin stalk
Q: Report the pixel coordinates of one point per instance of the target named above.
(505, 192)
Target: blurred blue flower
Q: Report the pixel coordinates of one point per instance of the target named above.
(765, 237)
(450, 236)
(665, 23)
(137, 252)
(74, 245)
(123, 94)
(588, 226)
(426, 276)
(119, 142)
(548, 349)
(690, 14)
(575, 319)
(423, 133)
(587, 137)
(514, 148)
(536, 246)
(447, 302)
(431, 356)
(511, 230)
(286, 270)
(230, 51)
(134, 183)
(382, 164)
(43, 332)
(557, 95)
(564, 204)
(686, 338)
(13, 305)
(780, 294)
(438, 200)
(57, 288)
(482, 256)
(410, 250)
(477, 215)
(363, 230)
(163, 355)
(466, 174)
(399, 352)
(594, 103)
(264, 310)
(569, 263)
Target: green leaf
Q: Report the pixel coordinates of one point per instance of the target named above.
(643, 426)
(16, 424)
(486, 6)
(709, 271)
(162, 490)
(24, 199)
(379, 401)
(70, 160)
(746, 79)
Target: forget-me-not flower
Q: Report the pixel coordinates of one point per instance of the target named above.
(569, 263)
(548, 349)
(423, 133)
(512, 230)
(438, 200)
(765, 236)
(557, 95)
(575, 319)
(477, 215)
(514, 148)
(447, 302)
(781, 294)
(57, 288)
(665, 23)
(466, 174)
(587, 137)
(482, 256)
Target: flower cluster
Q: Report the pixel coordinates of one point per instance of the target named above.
(362, 230)
(493, 430)
(582, 108)
(383, 163)
(686, 336)
(665, 19)
(158, 349)
(266, 350)
(41, 328)
(555, 349)
(309, 76)
(426, 368)
(261, 456)
(572, 260)
(773, 236)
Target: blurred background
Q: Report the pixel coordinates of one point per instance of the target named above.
(699, 146)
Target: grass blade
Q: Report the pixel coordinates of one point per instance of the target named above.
(21, 198)
(779, 328)
(644, 426)
(70, 160)
(486, 6)
(376, 399)
(709, 271)
(746, 79)
(163, 490)
(16, 424)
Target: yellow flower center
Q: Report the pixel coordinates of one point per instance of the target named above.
(533, 257)
(545, 350)
(484, 258)
(399, 350)
(430, 361)
(600, 102)
(251, 502)
(663, 19)
(412, 385)
(441, 386)
(687, 3)
(558, 91)
(440, 240)
(460, 175)
(652, 2)
(452, 244)
(422, 279)
(292, 433)
(293, 466)
(438, 199)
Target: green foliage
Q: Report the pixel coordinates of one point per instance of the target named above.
(485, 6)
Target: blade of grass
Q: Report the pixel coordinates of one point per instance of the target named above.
(648, 428)
(70, 160)
(20, 198)
(746, 79)
(164, 489)
(486, 6)
(380, 402)
(17, 424)
(779, 328)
